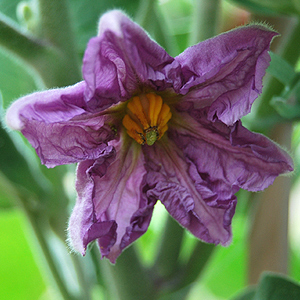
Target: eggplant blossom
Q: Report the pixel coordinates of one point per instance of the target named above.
(144, 126)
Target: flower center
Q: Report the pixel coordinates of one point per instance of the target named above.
(146, 119)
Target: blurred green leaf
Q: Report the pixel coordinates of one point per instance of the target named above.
(269, 6)
(277, 287)
(178, 20)
(286, 108)
(85, 24)
(281, 69)
(288, 104)
(248, 294)
(294, 265)
(8, 193)
(9, 7)
(16, 79)
(272, 286)
(20, 274)
(14, 166)
(232, 261)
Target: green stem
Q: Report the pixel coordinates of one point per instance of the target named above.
(205, 20)
(56, 26)
(96, 262)
(53, 59)
(129, 279)
(151, 19)
(196, 263)
(16, 41)
(167, 255)
(40, 235)
(144, 13)
(162, 32)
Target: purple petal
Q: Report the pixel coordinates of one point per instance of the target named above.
(228, 158)
(110, 205)
(57, 125)
(122, 59)
(49, 106)
(226, 72)
(169, 179)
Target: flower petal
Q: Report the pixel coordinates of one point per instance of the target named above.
(57, 125)
(226, 72)
(49, 106)
(121, 59)
(229, 158)
(110, 206)
(169, 180)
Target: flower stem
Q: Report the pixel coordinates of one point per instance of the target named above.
(205, 20)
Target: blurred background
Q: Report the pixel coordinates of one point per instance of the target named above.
(35, 203)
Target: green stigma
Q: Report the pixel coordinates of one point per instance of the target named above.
(151, 136)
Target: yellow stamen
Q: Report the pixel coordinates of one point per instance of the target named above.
(146, 119)
(133, 129)
(165, 115)
(155, 104)
(136, 108)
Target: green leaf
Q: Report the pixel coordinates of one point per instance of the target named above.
(9, 8)
(269, 6)
(8, 194)
(272, 286)
(288, 104)
(86, 13)
(247, 294)
(16, 78)
(277, 287)
(232, 261)
(178, 17)
(14, 166)
(281, 69)
(286, 108)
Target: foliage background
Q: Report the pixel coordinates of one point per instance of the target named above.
(24, 271)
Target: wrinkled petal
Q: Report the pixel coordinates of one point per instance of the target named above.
(81, 231)
(226, 72)
(228, 158)
(110, 205)
(48, 106)
(58, 127)
(121, 60)
(169, 180)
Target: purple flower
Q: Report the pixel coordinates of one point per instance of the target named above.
(146, 126)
